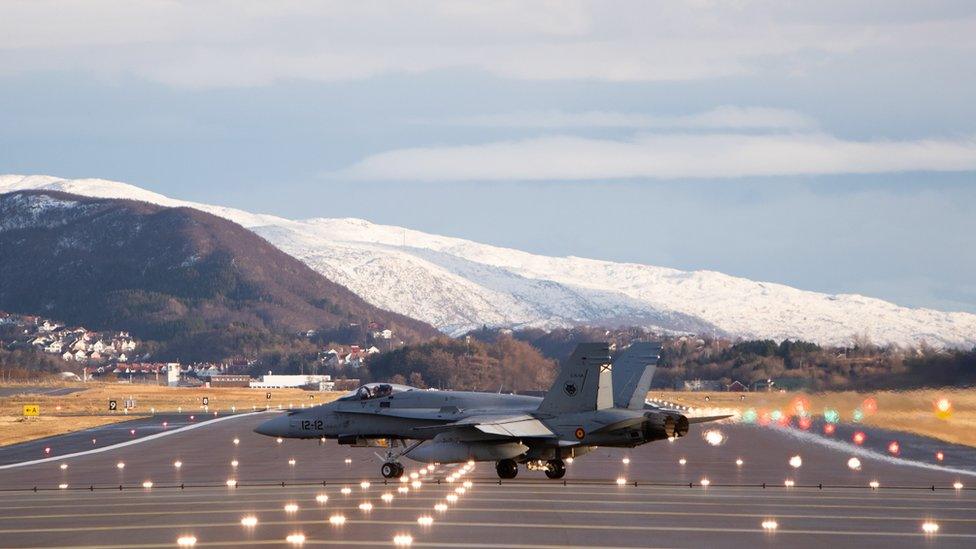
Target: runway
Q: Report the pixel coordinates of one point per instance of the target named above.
(668, 506)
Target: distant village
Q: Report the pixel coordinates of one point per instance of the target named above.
(101, 354)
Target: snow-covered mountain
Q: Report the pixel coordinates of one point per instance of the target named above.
(457, 285)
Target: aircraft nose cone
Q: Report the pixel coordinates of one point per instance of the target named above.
(276, 427)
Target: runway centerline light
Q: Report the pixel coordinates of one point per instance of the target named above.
(569, 460)
(231, 483)
(769, 524)
(874, 484)
(957, 485)
(682, 461)
(120, 465)
(387, 497)
(796, 462)
(402, 540)
(789, 483)
(854, 464)
(234, 463)
(366, 507)
(291, 507)
(403, 490)
(147, 484)
(322, 498)
(291, 462)
(346, 491)
(348, 461)
(704, 482)
(364, 484)
(337, 520)
(625, 461)
(939, 456)
(295, 539)
(425, 520)
(440, 507)
(249, 521)
(460, 490)
(64, 466)
(237, 441)
(63, 486)
(177, 464)
(621, 481)
(739, 462)
(416, 484)
(279, 440)
(414, 475)
(468, 484)
(451, 498)
(930, 527)
(186, 541)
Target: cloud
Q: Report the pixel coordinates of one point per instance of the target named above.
(724, 117)
(231, 44)
(664, 156)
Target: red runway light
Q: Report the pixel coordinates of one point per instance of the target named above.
(939, 456)
(829, 429)
(894, 447)
(859, 438)
(804, 423)
(870, 405)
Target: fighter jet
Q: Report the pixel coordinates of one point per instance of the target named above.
(592, 403)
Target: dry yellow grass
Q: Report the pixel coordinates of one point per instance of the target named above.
(908, 411)
(89, 407)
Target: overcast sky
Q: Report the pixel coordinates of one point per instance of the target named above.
(826, 145)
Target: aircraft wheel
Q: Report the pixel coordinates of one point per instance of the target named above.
(555, 468)
(506, 468)
(391, 470)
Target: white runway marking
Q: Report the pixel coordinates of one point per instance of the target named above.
(865, 452)
(126, 443)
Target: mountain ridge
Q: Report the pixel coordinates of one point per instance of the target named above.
(458, 285)
(166, 273)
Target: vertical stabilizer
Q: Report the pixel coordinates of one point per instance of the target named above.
(578, 386)
(632, 373)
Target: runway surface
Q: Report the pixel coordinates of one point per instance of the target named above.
(668, 506)
(37, 390)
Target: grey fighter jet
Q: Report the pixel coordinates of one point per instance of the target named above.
(593, 402)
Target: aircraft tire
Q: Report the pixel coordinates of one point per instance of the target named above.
(391, 470)
(506, 468)
(555, 469)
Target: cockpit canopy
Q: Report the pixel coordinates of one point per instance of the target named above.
(376, 390)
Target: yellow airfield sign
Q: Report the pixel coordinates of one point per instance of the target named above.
(32, 410)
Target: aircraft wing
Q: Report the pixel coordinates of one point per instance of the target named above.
(704, 419)
(516, 425)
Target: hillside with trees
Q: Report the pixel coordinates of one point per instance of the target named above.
(194, 286)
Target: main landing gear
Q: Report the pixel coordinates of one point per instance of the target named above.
(506, 468)
(392, 469)
(555, 469)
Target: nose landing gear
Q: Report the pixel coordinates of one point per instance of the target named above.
(391, 469)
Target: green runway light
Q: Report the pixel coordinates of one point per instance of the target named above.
(831, 416)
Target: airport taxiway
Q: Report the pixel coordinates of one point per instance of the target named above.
(81, 505)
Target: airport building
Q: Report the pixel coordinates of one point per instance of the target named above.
(284, 381)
